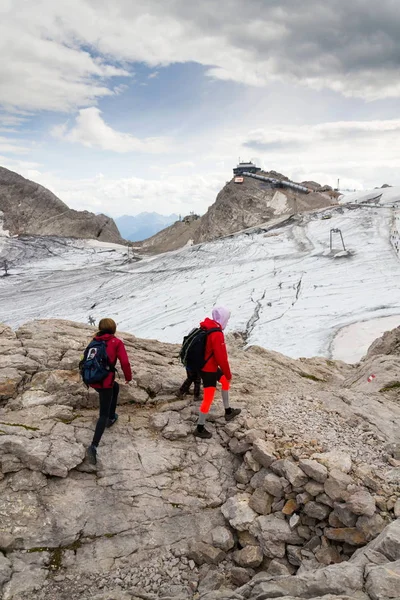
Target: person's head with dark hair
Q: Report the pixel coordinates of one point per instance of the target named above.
(107, 326)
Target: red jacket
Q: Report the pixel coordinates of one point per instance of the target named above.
(216, 349)
(115, 351)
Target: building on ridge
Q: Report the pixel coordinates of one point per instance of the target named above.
(246, 167)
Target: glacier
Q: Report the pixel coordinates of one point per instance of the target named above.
(286, 289)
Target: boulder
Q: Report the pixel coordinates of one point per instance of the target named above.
(336, 485)
(361, 503)
(238, 512)
(314, 488)
(344, 515)
(250, 556)
(251, 463)
(5, 570)
(316, 511)
(349, 535)
(278, 568)
(273, 533)
(314, 470)
(263, 452)
(382, 581)
(261, 502)
(386, 546)
(339, 579)
(222, 538)
(339, 461)
(239, 576)
(371, 526)
(294, 474)
(203, 553)
(271, 483)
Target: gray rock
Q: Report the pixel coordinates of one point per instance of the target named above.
(247, 539)
(316, 511)
(294, 556)
(203, 553)
(5, 570)
(335, 579)
(324, 499)
(239, 446)
(263, 452)
(294, 474)
(273, 533)
(238, 512)
(239, 576)
(210, 579)
(294, 521)
(334, 460)
(250, 556)
(261, 502)
(371, 526)
(349, 535)
(278, 568)
(314, 488)
(336, 486)
(269, 482)
(243, 475)
(361, 503)
(222, 538)
(328, 555)
(251, 463)
(396, 508)
(382, 582)
(314, 470)
(344, 514)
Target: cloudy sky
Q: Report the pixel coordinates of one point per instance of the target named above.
(127, 106)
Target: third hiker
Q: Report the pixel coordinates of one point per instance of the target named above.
(216, 368)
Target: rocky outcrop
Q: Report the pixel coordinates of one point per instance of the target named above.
(389, 343)
(253, 202)
(238, 207)
(297, 498)
(29, 208)
(177, 235)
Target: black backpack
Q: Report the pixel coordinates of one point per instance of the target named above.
(95, 365)
(193, 349)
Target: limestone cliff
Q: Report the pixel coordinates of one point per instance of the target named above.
(29, 208)
(297, 498)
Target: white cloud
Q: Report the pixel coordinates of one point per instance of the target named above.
(360, 153)
(12, 146)
(91, 131)
(61, 55)
(131, 195)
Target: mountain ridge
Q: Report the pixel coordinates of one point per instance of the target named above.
(31, 209)
(239, 206)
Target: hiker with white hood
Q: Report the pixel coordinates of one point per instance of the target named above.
(204, 350)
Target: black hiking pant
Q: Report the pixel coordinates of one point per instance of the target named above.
(191, 377)
(108, 398)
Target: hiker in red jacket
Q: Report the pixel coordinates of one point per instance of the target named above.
(216, 369)
(108, 389)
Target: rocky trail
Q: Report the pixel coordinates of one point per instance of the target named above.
(297, 498)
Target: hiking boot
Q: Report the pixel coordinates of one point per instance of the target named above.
(180, 395)
(91, 454)
(203, 434)
(196, 398)
(233, 412)
(112, 421)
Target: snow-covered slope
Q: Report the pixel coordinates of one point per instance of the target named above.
(286, 290)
